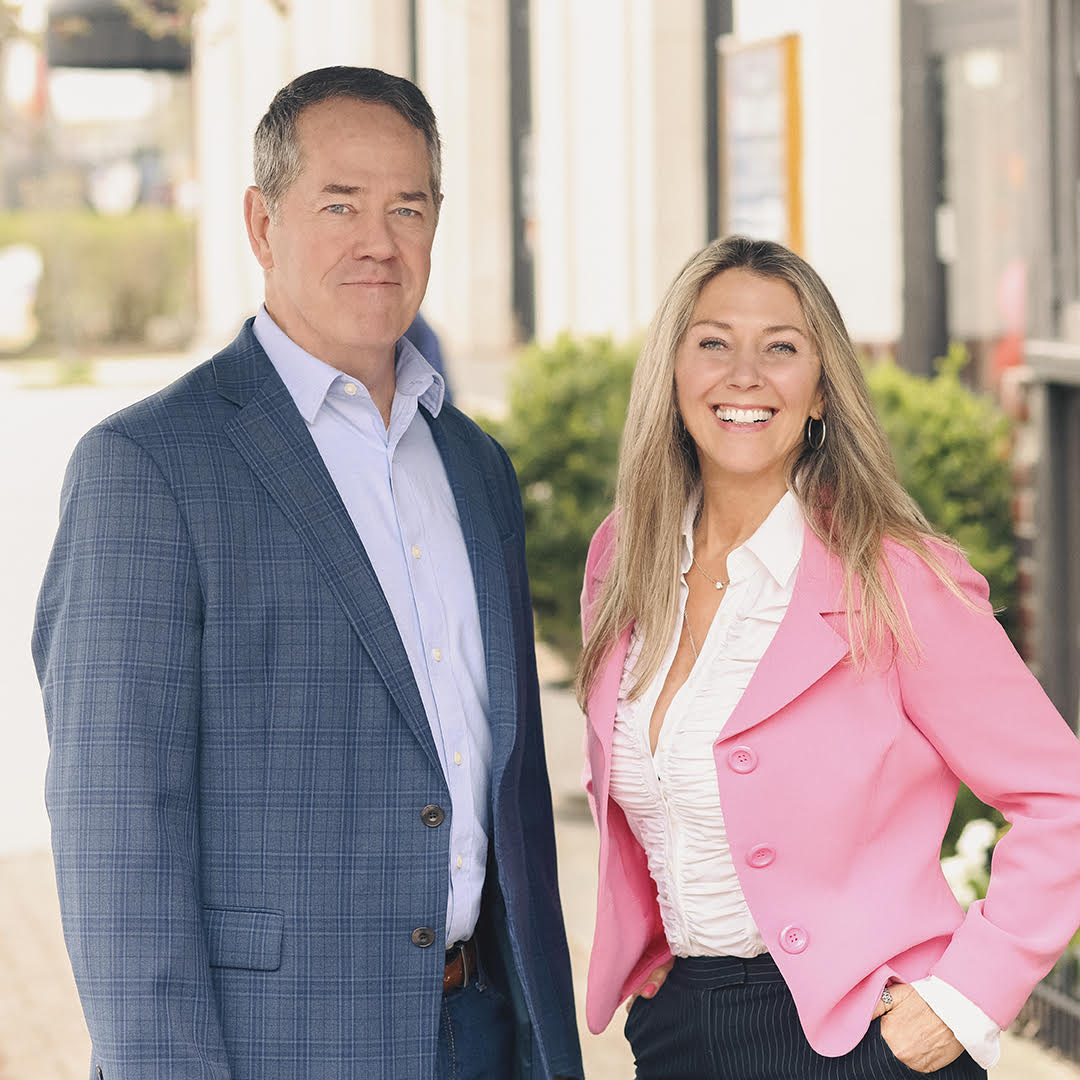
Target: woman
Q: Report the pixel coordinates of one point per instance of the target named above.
(785, 673)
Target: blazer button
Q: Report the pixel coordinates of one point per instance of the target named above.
(760, 855)
(794, 939)
(423, 936)
(432, 816)
(742, 759)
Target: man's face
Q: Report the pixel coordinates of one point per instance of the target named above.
(347, 255)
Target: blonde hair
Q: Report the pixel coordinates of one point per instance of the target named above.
(847, 488)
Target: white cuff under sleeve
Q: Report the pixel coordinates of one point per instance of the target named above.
(974, 1030)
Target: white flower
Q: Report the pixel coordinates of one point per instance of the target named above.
(957, 871)
(976, 840)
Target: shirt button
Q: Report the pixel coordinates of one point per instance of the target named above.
(423, 936)
(416, 552)
(794, 939)
(350, 388)
(742, 759)
(460, 861)
(432, 816)
(436, 655)
(760, 855)
(458, 759)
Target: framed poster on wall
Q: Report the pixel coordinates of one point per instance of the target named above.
(761, 140)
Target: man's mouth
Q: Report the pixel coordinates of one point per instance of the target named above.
(730, 415)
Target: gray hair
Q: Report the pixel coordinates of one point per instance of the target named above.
(278, 158)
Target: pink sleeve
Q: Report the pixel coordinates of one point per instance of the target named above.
(973, 697)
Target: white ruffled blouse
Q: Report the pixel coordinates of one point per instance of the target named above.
(670, 798)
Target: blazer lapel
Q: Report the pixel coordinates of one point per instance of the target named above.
(805, 646)
(483, 543)
(273, 439)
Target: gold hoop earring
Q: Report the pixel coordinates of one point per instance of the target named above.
(810, 432)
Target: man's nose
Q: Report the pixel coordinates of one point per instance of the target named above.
(373, 238)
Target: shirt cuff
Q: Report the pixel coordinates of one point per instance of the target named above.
(974, 1030)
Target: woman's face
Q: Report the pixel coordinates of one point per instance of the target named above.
(746, 378)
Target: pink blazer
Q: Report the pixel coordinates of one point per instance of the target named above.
(837, 787)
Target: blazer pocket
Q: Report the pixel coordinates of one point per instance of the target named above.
(244, 939)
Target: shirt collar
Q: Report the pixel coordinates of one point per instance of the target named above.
(308, 379)
(776, 544)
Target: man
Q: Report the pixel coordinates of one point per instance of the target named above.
(285, 644)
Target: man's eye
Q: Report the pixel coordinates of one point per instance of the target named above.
(406, 211)
(336, 208)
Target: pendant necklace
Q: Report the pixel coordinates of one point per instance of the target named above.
(708, 577)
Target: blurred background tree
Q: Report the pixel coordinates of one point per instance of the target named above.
(567, 405)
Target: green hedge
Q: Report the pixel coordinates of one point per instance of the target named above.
(952, 450)
(567, 407)
(110, 280)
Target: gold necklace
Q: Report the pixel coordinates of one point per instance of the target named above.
(708, 577)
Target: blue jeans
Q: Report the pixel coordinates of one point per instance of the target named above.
(476, 1034)
(729, 1019)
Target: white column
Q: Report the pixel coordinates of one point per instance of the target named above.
(619, 128)
(364, 33)
(239, 57)
(463, 62)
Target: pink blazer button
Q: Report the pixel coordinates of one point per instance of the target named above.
(742, 759)
(760, 855)
(794, 939)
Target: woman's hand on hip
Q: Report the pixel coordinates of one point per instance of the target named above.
(651, 986)
(914, 1032)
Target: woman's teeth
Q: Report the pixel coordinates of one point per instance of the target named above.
(742, 416)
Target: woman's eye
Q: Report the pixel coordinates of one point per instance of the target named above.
(782, 346)
(711, 343)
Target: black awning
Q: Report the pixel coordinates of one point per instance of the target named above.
(100, 34)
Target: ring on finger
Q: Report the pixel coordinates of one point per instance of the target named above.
(886, 998)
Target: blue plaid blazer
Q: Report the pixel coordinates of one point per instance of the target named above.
(239, 755)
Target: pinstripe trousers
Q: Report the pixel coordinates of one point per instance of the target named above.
(722, 1018)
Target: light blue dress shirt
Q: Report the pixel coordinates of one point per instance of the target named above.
(395, 489)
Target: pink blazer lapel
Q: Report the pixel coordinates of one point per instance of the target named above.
(805, 646)
(804, 649)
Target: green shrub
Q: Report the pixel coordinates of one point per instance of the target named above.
(567, 408)
(952, 455)
(110, 280)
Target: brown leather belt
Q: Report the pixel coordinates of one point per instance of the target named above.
(460, 966)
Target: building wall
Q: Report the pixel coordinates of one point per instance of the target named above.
(617, 189)
(619, 183)
(850, 94)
